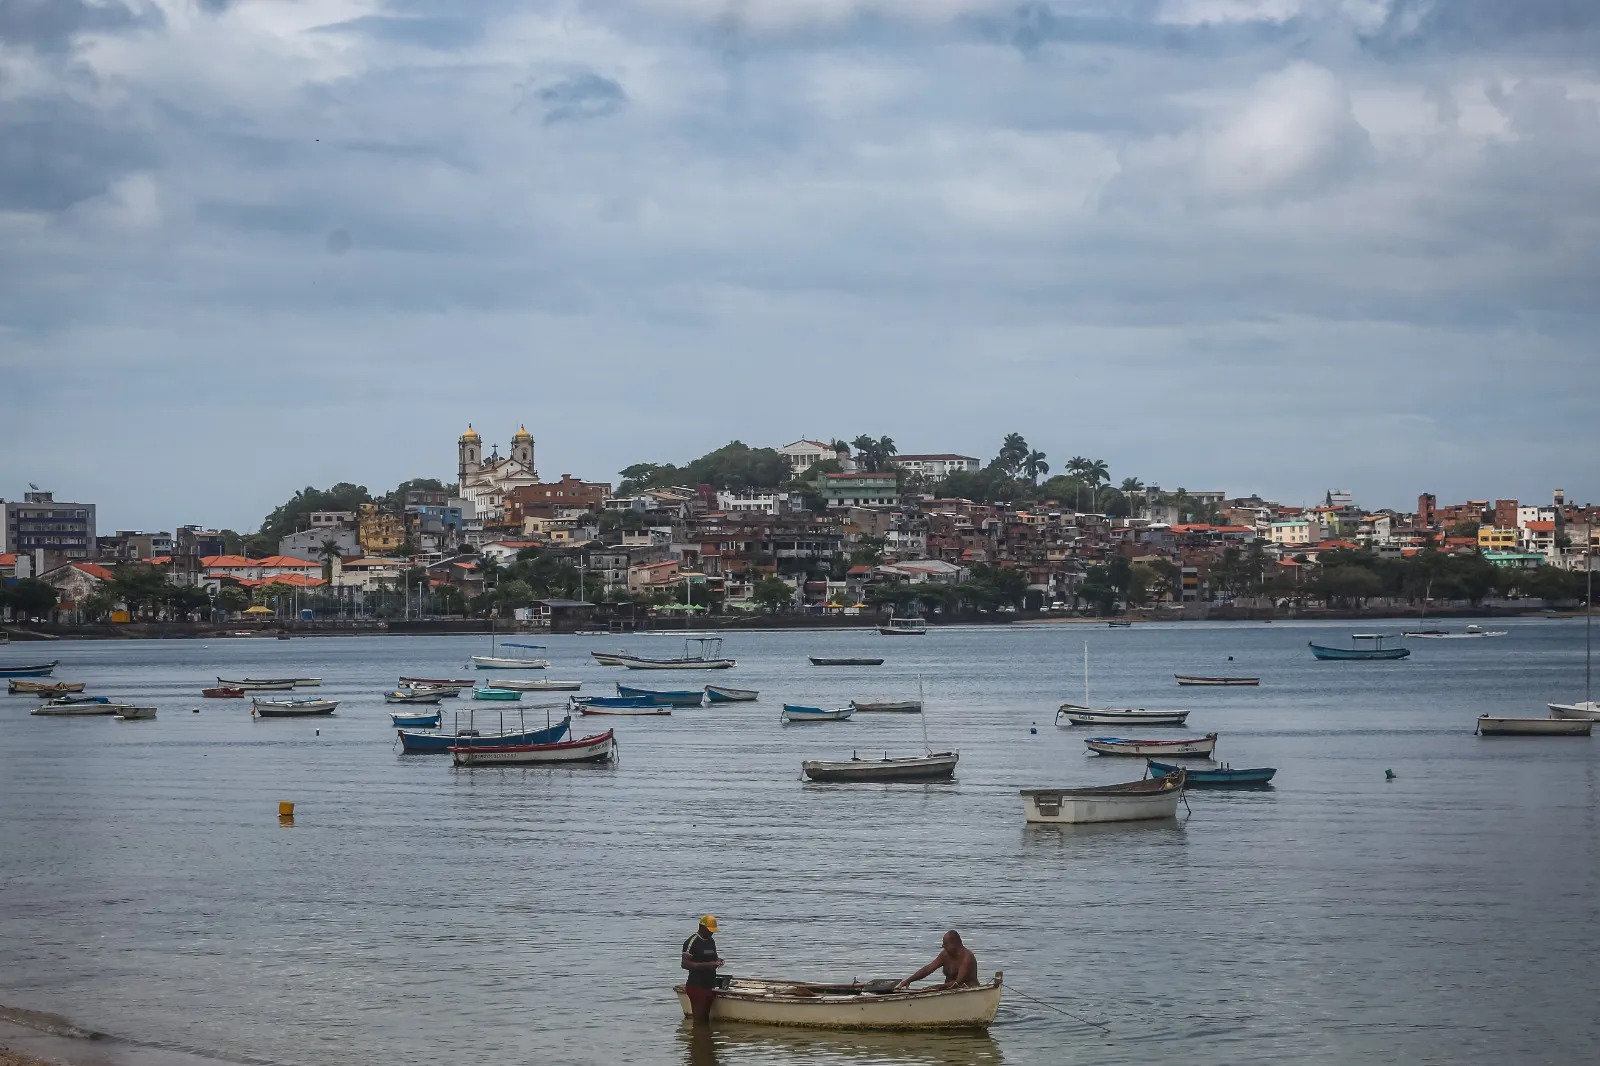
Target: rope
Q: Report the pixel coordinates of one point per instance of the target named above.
(1075, 1017)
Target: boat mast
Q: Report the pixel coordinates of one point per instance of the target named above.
(1086, 674)
(1588, 628)
(922, 713)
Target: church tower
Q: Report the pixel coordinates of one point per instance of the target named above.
(522, 448)
(470, 449)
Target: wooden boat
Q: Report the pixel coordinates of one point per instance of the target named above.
(599, 748)
(415, 719)
(222, 692)
(1119, 625)
(82, 708)
(1220, 777)
(437, 682)
(283, 685)
(934, 766)
(679, 698)
(869, 1005)
(517, 684)
(501, 694)
(706, 656)
(1135, 801)
(416, 742)
(793, 712)
(305, 707)
(1469, 633)
(1379, 652)
(904, 627)
(887, 707)
(37, 688)
(135, 714)
(844, 660)
(641, 710)
(1589, 709)
(448, 692)
(36, 670)
(1492, 726)
(273, 682)
(496, 662)
(1076, 714)
(613, 702)
(414, 696)
(608, 658)
(724, 694)
(1198, 679)
(1122, 746)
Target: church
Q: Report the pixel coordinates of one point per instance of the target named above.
(486, 483)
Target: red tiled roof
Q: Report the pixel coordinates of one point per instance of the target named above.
(859, 570)
(297, 580)
(94, 570)
(835, 477)
(287, 561)
(226, 561)
(9, 559)
(1541, 527)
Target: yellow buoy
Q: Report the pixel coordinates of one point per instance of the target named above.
(285, 809)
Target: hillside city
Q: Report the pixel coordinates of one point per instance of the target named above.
(825, 527)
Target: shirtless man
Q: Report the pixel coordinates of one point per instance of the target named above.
(960, 966)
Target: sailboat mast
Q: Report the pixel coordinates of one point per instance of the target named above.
(1588, 629)
(1086, 673)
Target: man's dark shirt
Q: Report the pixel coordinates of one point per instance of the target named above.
(702, 947)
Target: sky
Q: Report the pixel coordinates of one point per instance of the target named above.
(1269, 246)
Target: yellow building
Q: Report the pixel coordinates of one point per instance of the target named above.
(1494, 539)
(380, 533)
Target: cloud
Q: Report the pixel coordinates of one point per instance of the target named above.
(581, 96)
(52, 25)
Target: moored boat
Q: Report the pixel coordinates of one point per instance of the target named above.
(608, 658)
(415, 719)
(844, 660)
(612, 702)
(673, 698)
(1217, 777)
(83, 708)
(724, 694)
(1199, 679)
(248, 685)
(223, 692)
(503, 695)
(448, 692)
(1134, 801)
(636, 710)
(871, 1005)
(904, 627)
(887, 706)
(38, 688)
(1123, 746)
(793, 712)
(599, 748)
(1494, 726)
(438, 682)
(135, 714)
(34, 670)
(1378, 652)
(425, 696)
(1076, 714)
(1442, 634)
(304, 707)
(417, 742)
(1589, 709)
(934, 766)
(497, 662)
(518, 684)
(1119, 625)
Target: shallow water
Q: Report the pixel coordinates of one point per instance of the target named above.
(414, 912)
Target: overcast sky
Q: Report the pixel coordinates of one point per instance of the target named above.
(1272, 246)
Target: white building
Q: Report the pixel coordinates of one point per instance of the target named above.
(756, 502)
(938, 466)
(1527, 515)
(486, 483)
(1297, 532)
(804, 454)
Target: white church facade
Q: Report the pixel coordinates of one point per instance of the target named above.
(485, 483)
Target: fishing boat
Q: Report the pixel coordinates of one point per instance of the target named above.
(36, 670)
(305, 707)
(1589, 709)
(37, 688)
(1378, 651)
(1122, 746)
(416, 742)
(1197, 679)
(724, 694)
(861, 1005)
(934, 766)
(1493, 726)
(72, 698)
(246, 685)
(904, 627)
(446, 692)
(222, 692)
(679, 698)
(1469, 633)
(638, 710)
(699, 653)
(887, 706)
(793, 712)
(517, 684)
(599, 748)
(613, 701)
(496, 662)
(438, 682)
(1221, 777)
(416, 719)
(502, 694)
(100, 708)
(426, 696)
(608, 658)
(1134, 801)
(1076, 714)
(1119, 625)
(135, 714)
(844, 660)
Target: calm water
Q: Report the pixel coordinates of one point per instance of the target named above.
(418, 913)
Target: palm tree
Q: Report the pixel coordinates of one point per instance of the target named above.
(1013, 452)
(1077, 467)
(886, 450)
(1131, 485)
(1096, 472)
(1035, 466)
(328, 553)
(866, 451)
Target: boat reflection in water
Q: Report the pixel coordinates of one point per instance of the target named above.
(738, 1044)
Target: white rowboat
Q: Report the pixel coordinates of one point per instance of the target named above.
(535, 685)
(1589, 709)
(493, 662)
(135, 714)
(794, 713)
(851, 1006)
(1119, 746)
(599, 748)
(1135, 801)
(935, 766)
(1076, 714)
(1491, 726)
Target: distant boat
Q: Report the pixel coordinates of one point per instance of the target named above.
(613, 701)
(535, 685)
(258, 685)
(1134, 801)
(420, 743)
(438, 682)
(413, 696)
(1122, 746)
(222, 692)
(39, 688)
(501, 694)
(1197, 679)
(83, 708)
(1379, 652)
(494, 662)
(707, 656)
(292, 708)
(1119, 625)
(135, 714)
(797, 713)
(631, 710)
(415, 719)
(1441, 634)
(935, 766)
(870, 1005)
(596, 749)
(36, 670)
(448, 692)
(904, 627)
(844, 660)
(1589, 709)
(674, 698)
(1491, 726)
(608, 658)
(888, 707)
(1079, 715)
(724, 694)
(1221, 777)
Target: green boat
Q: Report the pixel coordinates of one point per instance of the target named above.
(496, 694)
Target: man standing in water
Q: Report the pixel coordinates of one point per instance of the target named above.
(701, 960)
(960, 966)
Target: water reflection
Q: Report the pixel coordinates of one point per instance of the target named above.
(1163, 832)
(733, 1044)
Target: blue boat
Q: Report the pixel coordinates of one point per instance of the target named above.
(724, 694)
(441, 743)
(429, 720)
(40, 670)
(67, 701)
(1378, 652)
(794, 712)
(680, 698)
(1222, 777)
(616, 701)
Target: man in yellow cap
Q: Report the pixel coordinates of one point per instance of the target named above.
(701, 960)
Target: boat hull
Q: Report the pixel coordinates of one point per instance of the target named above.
(78, 710)
(889, 707)
(794, 713)
(1223, 777)
(1193, 679)
(256, 686)
(321, 708)
(490, 662)
(1136, 801)
(415, 721)
(440, 743)
(428, 698)
(836, 660)
(689, 698)
(1358, 654)
(623, 712)
(1589, 710)
(1079, 715)
(501, 695)
(37, 670)
(764, 1003)
(1490, 726)
(37, 688)
(723, 694)
(538, 685)
(438, 682)
(677, 664)
(937, 767)
(135, 714)
(599, 748)
(1118, 746)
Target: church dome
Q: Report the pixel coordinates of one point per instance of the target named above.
(470, 434)
(522, 434)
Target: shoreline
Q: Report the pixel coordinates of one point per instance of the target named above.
(37, 1038)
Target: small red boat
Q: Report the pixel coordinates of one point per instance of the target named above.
(223, 693)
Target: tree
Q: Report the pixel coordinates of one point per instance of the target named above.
(98, 604)
(295, 513)
(1131, 486)
(30, 598)
(872, 454)
(328, 553)
(232, 598)
(773, 593)
(1464, 528)
(187, 599)
(868, 551)
(735, 466)
(514, 593)
(1013, 453)
(140, 587)
(1034, 466)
